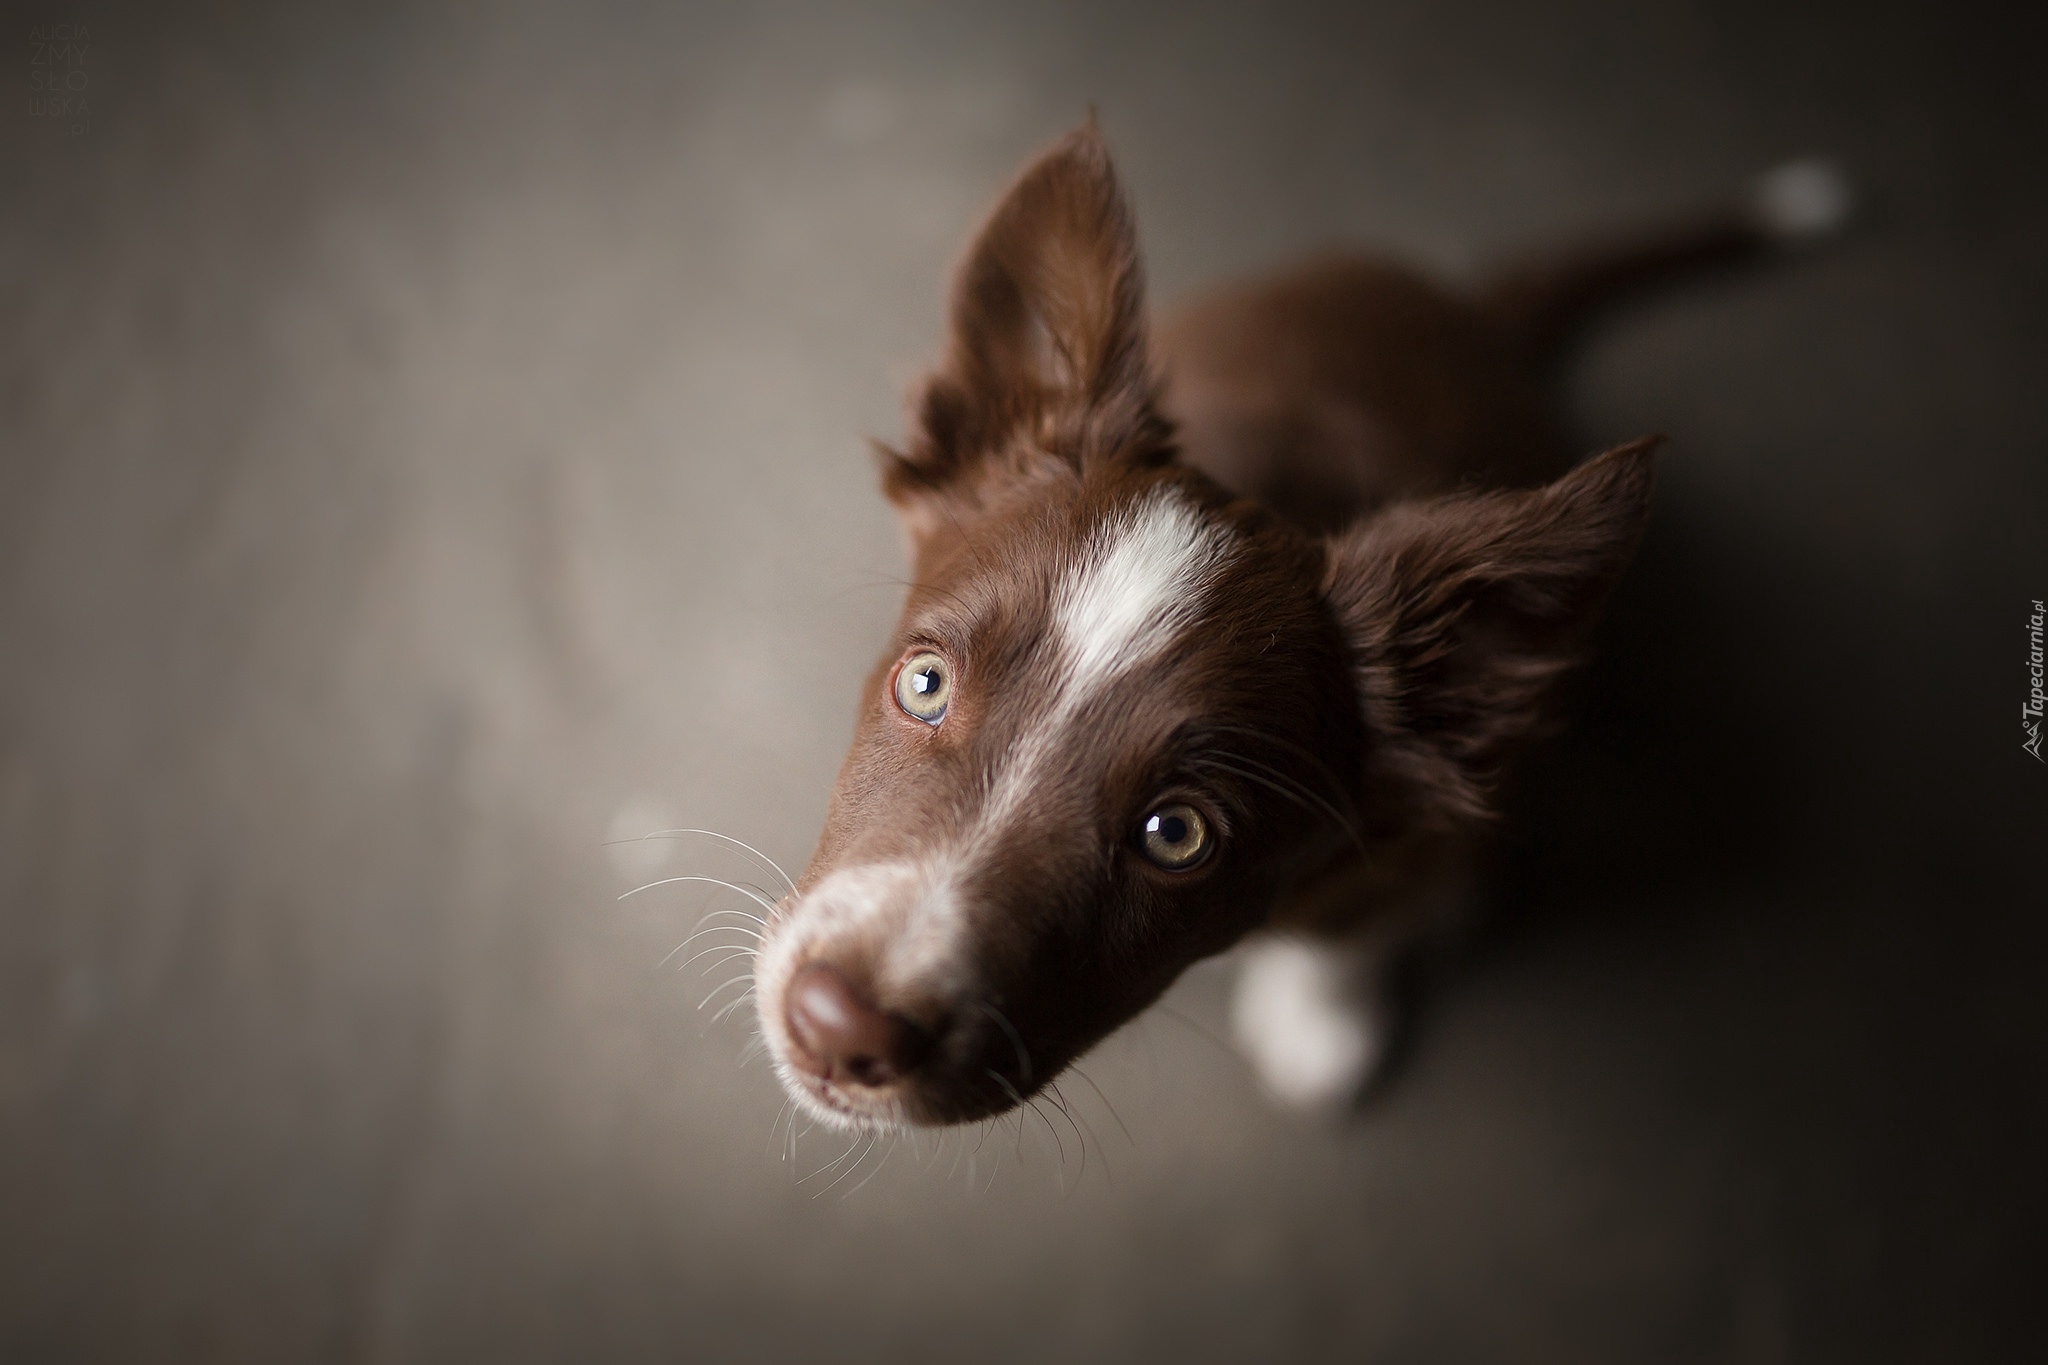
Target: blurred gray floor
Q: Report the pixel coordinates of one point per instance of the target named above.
(430, 446)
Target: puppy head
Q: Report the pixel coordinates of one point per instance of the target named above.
(1123, 713)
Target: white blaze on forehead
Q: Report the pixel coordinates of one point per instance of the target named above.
(1138, 586)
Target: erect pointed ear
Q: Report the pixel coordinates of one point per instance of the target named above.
(1462, 611)
(1048, 333)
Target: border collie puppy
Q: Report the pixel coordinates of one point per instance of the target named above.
(1221, 630)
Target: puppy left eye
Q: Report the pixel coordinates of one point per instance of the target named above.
(923, 686)
(1175, 837)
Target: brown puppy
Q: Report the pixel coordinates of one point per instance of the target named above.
(1190, 659)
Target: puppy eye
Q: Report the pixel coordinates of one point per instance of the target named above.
(1175, 837)
(923, 684)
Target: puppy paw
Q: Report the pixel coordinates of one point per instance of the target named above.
(1312, 1020)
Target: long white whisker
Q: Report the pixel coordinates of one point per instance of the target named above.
(830, 1164)
(1011, 1091)
(703, 920)
(747, 977)
(873, 1138)
(751, 893)
(1058, 1145)
(1106, 1105)
(731, 951)
(703, 929)
(875, 1172)
(769, 863)
(752, 937)
(729, 1006)
(1060, 1102)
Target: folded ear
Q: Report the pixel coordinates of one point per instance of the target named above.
(1048, 334)
(1462, 611)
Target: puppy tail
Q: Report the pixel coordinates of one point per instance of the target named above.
(1543, 304)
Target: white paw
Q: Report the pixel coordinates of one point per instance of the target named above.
(1310, 1020)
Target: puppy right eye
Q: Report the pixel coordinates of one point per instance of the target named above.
(923, 685)
(1175, 837)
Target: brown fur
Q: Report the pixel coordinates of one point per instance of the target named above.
(1384, 637)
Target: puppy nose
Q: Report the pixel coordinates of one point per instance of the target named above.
(840, 1035)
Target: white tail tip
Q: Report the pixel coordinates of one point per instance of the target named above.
(1803, 200)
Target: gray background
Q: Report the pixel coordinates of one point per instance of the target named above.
(432, 446)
